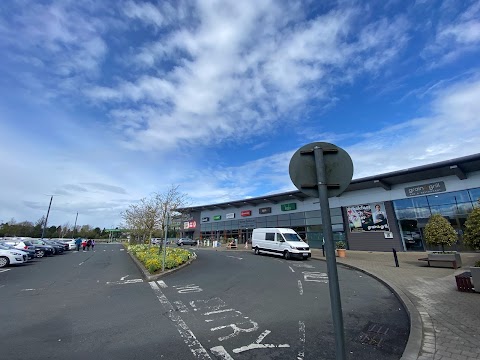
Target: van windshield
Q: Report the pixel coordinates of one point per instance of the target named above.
(291, 237)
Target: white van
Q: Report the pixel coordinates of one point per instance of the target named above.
(279, 241)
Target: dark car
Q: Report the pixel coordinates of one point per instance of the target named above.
(186, 241)
(58, 248)
(40, 250)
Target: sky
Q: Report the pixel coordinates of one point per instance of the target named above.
(103, 103)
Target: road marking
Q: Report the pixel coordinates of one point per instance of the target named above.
(181, 306)
(221, 352)
(124, 277)
(291, 269)
(301, 351)
(235, 257)
(184, 289)
(2, 286)
(162, 284)
(27, 290)
(104, 250)
(81, 263)
(300, 287)
(4, 270)
(236, 329)
(132, 281)
(122, 249)
(308, 266)
(257, 344)
(315, 276)
(187, 335)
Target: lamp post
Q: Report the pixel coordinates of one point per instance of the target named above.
(46, 219)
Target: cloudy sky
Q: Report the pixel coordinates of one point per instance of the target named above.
(103, 103)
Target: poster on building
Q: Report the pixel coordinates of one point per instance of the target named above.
(367, 217)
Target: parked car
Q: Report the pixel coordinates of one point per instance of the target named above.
(40, 250)
(186, 241)
(29, 252)
(11, 257)
(70, 243)
(59, 246)
(55, 249)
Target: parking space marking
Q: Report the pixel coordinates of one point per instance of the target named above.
(308, 266)
(4, 270)
(300, 287)
(315, 276)
(27, 290)
(162, 284)
(235, 257)
(124, 277)
(258, 345)
(221, 353)
(291, 269)
(187, 335)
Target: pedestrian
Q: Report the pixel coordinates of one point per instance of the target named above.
(78, 242)
(84, 244)
(89, 243)
(93, 244)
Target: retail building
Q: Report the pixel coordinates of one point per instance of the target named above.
(375, 213)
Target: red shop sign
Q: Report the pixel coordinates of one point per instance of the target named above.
(246, 213)
(192, 224)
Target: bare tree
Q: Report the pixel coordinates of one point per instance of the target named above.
(149, 215)
(64, 229)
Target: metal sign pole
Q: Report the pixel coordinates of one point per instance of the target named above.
(165, 242)
(335, 301)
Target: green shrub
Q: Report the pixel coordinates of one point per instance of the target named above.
(471, 235)
(153, 261)
(340, 245)
(439, 231)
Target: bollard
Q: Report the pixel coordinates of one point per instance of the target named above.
(323, 250)
(395, 257)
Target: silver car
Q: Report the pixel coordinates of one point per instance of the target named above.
(186, 241)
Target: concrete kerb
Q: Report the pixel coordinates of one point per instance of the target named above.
(149, 277)
(414, 342)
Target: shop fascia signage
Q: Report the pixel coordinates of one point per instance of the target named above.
(190, 224)
(205, 219)
(217, 217)
(424, 189)
(265, 210)
(246, 213)
(230, 216)
(289, 207)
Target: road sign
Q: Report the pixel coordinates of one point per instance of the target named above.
(338, 169)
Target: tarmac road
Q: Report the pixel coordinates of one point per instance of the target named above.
(225, 305)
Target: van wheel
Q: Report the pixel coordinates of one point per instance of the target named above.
(257, 252)
(286, 255)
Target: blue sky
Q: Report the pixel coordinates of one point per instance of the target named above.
(103, 103)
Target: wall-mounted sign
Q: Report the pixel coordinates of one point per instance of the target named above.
(289, 207)
(230, 216)
(388, 235)
(189, 224)
(217, 217)
(246, 213)
(367, 217)
(265, 210)
(205, 219)
(424, 189)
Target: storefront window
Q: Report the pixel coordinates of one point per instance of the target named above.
(448, 198)
(475, 195)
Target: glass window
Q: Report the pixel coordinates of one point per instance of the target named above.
(402, 204)
(336, 212)
(261, 222)
(284, 223)
(270, 236)
(272, 223)
(445, 210)
(234, 224)
(422, 212)
(271, 218)
(298, 215)
(284, 217)
(448, 198)
(464, 208)
(474, 195)
(298, 222)
(312, 214)
(337, 219)
(405, 213)
(314, 221)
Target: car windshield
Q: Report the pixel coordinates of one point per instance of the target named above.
(291, 237)
(28, 243)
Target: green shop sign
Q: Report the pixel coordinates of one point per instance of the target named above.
(289, 207)
(217, 217)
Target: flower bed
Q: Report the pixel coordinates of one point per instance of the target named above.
(152, 260)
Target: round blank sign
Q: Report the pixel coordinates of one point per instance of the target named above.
(338, 169)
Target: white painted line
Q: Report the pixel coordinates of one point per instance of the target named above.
(308, 266)
(235, 257)
(257, 344)
(187, 335)
(27, 290)
(219, 311)
(315, 276)
(132, 281)
(181, 306)
(236, 329)
(4, 270)
(300, 287)
(301, 351)
(81, 263)
(162, 284)
(104, 250)
(124, 277)
(220, 352)
(122, 249)
(2, 286)
(291, 269)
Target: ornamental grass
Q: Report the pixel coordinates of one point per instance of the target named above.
(152, 260)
